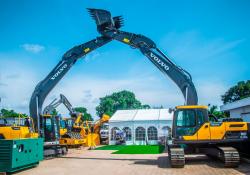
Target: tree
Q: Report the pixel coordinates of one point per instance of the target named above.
(86, 115)
(214, 111)
(237, 92)
(11, 113)
(118, 101)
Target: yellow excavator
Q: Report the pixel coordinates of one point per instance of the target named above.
(88, 130)
(17, 128)
(74, 131)
(93, 137)
(70, 129)
(195, 131)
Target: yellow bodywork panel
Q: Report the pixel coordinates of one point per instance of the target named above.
(204, 132)
(63, 131)
(17, 132)
(216, 131)
(192, 137)
(92, 140)
(236, 126)
(71, 141)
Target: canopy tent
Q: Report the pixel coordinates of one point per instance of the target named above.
(142, 126)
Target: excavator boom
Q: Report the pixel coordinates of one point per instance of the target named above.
(68, 60)
(148, 48)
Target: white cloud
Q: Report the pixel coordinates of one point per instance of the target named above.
(210, 91)
(85, 91)
(17, 90)
(192, 46)
(33, 48)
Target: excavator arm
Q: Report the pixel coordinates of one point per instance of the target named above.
(108, 27)
(55, 103)
(181, 77)
(68, 60)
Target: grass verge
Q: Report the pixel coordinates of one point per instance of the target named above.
(134, 149)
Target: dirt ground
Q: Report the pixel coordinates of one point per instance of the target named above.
(97, 162)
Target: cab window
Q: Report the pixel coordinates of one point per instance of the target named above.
(186, 118)
(62, 124)
(200, 117)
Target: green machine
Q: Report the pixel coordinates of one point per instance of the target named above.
(19, 154)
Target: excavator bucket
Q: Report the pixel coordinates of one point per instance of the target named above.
(104, 21)
(100, 16)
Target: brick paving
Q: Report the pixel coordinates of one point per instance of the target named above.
(99, 162)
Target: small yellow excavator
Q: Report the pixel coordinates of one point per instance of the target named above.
(70, 129)
(17, 128)
(72, 132)
(93, 137)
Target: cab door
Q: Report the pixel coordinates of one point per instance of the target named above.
(203, 125)
(185, 125)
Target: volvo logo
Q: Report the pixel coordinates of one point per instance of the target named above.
(160, 62)
(59, 72)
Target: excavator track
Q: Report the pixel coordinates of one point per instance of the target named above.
(176, 157)
(230, 156)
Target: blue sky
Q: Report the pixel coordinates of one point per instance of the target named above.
(210, 39)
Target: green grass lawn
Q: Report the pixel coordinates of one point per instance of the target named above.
(111, 147)
(134, 149)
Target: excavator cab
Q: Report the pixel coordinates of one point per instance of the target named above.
(188, 120)
(51, 129)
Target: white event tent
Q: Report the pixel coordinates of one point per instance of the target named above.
(142, 126)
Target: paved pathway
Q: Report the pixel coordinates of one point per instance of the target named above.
(99, 162)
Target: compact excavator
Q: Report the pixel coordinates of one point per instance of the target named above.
(191, 125)
(70, 128)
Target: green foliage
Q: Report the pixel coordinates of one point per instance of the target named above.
(86, 115)
(214, 111)
(11, 113)
(237, 92)
(118, 101)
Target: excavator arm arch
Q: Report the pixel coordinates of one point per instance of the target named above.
(68, 60)
(148, 48)
(108, 27)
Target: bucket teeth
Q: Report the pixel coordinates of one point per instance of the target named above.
(119, 22)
